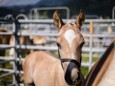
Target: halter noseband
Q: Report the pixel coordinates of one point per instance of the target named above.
(71, 61)
(73, 64)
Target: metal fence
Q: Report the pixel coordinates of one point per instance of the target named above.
(36, 25)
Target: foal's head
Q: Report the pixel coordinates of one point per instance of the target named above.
(70, 39)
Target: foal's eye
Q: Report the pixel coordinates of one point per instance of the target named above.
(82, 44)
(59, 46)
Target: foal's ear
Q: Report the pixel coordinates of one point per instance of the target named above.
(57, 19)
(80, 19)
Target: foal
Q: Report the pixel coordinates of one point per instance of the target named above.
(42, 69)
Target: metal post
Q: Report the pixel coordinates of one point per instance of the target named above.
(14, 56)
(90, 52)
(113, 13)
(91, 45)
(16, 77)
(36, 14)
(68, 13)
(30, 14)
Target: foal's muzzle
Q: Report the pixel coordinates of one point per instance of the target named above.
(72, 64)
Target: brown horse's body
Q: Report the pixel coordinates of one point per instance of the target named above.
(103, 71)
(4, 39)
(43, 69)
(24, 40)
(106, 75)
(39, 40)
(8, 39)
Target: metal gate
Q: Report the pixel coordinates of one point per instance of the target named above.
(16, 32)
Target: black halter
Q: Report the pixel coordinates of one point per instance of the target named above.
(73, 64)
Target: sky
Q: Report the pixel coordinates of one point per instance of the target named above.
(17, 2)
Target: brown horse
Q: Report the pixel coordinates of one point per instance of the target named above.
(39, 40)
(4, 39)
(24, 40)
(103, 71)
(8, 39)
(42, 69)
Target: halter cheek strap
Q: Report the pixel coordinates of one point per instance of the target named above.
(73, 64)
(68, 60)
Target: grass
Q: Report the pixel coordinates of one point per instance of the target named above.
(85, 58)
(6, 80)
(84, 70)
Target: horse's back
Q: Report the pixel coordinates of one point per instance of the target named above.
(108, 79)
(40, 66)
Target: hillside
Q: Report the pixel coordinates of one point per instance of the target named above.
(91, 7)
